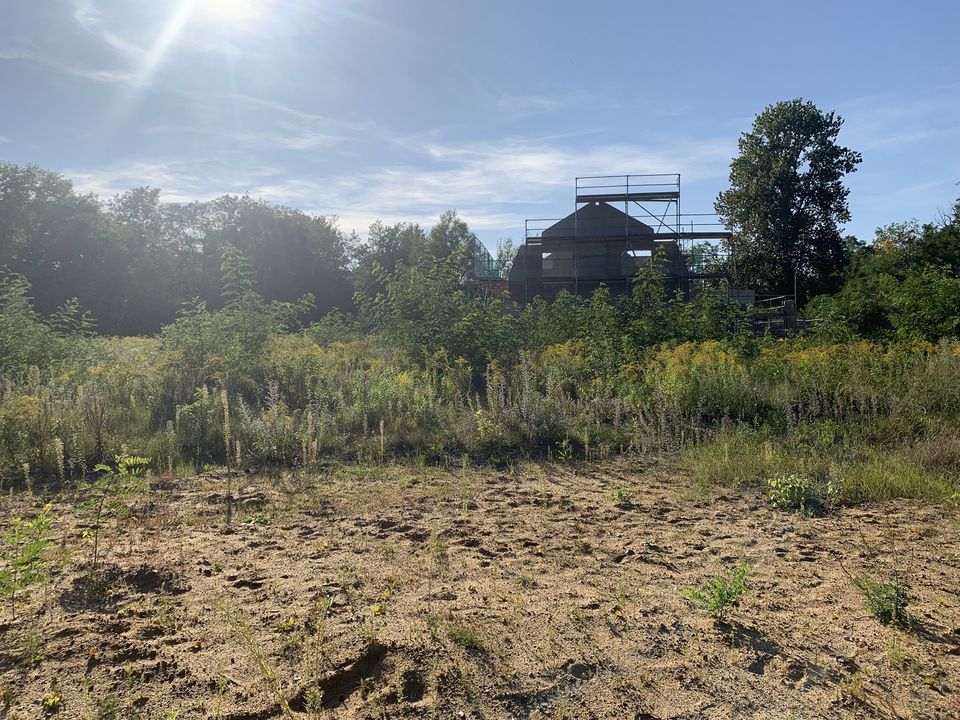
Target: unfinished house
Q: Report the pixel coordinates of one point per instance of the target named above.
(619, 224)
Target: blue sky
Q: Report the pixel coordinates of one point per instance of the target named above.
(399, 110)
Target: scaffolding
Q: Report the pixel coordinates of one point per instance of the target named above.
(482, 265)
(600, 244)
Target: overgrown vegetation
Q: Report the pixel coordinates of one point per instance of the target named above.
(874, 419)
(419, 367)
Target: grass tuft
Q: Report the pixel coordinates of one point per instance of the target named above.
(466, 637)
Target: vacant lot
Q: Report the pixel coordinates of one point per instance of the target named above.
(543, 591)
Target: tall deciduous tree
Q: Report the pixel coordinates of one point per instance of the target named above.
(787, 200)
(387, 250)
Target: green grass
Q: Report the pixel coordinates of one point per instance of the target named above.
(888, 475)
(857, 468)
(736, 458)
(466, 637)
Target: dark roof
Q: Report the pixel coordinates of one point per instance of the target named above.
(597, 220)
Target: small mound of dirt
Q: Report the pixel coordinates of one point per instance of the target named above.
(146, 579)
(92, 590)
(337, 687)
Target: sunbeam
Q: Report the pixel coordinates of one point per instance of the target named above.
(168, 36)
(229, 12)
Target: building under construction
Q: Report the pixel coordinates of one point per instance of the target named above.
(619, 225)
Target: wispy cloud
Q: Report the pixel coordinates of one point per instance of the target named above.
(886, 129)
(285, 136)
(498, 183)
(294, 115)
(31, 53)
(269, 104)
(493, 184)
(879, 122)
(125, 53)
(131, 50)
(515, 107)
(15, 53)
(878, 194)
(180, 179)
(290, 137)
(194, 33)
(4, 139)
(90, 19)
(268, 124)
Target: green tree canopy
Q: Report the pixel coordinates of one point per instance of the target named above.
(388, 248)
(787, 200)
(133, 260)
(905, 285)
(450, 237)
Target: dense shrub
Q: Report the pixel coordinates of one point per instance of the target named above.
(430, 371)
(879, 419)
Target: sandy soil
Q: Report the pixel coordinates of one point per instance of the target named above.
(409, 592)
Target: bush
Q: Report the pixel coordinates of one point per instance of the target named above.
(29, 340)
(620, 497)
(800, 492)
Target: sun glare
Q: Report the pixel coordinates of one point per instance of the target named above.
(230, 12)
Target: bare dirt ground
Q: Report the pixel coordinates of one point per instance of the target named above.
(411, 592)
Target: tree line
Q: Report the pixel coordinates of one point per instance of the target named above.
(135, 264)
(133, 260)
(254, 359)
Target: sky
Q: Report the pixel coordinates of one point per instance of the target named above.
(400, 109)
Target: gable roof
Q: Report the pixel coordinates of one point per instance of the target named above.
(597, 220)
